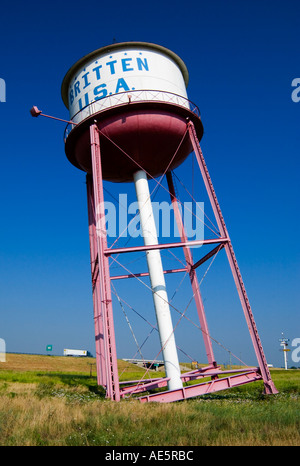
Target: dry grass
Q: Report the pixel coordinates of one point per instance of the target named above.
(27, 420)
(36, 362)
(51, 413)
(63, 364)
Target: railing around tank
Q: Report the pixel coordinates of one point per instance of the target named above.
(122, 98)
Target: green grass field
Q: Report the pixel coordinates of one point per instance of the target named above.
(55, 401)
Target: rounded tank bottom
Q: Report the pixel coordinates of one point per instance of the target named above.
(148, 139)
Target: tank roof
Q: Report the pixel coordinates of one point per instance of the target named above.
(115, 46)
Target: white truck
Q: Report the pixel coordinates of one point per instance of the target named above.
(75, 352)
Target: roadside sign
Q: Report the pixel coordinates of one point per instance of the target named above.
(49, 348)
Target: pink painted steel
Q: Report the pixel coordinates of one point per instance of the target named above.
(128, 383)
(144, 387)
(192, 274)
(98, 316)
(208, 256)
(214, 373)
(112, 381)
(35, 112)
(204, 388)
(102, 292)
(111, 251)
(144, 274)
(268, 383)
(150, 133)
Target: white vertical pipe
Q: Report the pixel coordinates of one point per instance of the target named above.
(285, 358)
(285, 355)
(160, 297)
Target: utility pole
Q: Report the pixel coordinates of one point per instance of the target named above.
(284, 343)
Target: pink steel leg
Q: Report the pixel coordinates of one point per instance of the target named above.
(98, 317)
(112, 385)
(268, 383)
(192, 274)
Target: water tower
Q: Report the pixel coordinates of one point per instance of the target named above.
(131, 121)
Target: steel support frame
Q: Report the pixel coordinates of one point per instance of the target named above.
(104, 324)
(192, 274)
(269, 386)
(106, 356)
(98, 316)
(214, 385)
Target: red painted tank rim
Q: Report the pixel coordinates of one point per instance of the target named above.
(81, 127)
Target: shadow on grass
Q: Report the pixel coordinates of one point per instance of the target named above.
(74, 381)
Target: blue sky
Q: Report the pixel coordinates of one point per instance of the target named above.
(242, 58)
